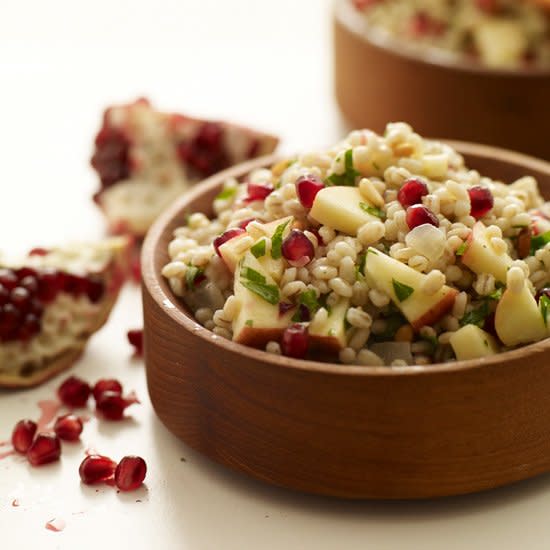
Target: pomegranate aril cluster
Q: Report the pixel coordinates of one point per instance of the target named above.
(111, 156)
(25, 292)
(128, 474)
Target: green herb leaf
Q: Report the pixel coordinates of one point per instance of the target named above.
(277, 241)
(401, 290)
(226, 193)
(249, 323)
(544, 302)
(461, 249)
(539, 241)
(476, 316)
(258, 249)
(349, 175)
(372, 210)
(360, 265)
(308, 299)
(496, 294)
(252, 274)
(270, 293)
(191, 276)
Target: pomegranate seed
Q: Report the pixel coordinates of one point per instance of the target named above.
(8, 279)
(258, 191)
(106, 384)
(307, 188)
(130, 473)
(20, 298)
(22, 435)
(411, 192)
(226, 236)
(481, 200)
(50, 283)
(297, 246)
(96, 468)
(111, 405)
(295, 341)
(74, 392)
(244, 223)
(111, 157)
(4, 295)
(44, 449)
(68, 427)
(95, 289)
(29, 283)
(9, 319)
(135, 337)
(417, 214)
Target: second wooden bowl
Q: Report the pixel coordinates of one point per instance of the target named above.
(378, 79)
(346, 431)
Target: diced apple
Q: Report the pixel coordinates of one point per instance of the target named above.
(481, 257)
(501, 42)
(540, 223)
(330, 336)
(472, 342)
(340, 208)
(385, 274)
(518, 319)
(258, 321)
(232, 250)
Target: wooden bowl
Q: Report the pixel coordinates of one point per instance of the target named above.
(346, 431)
(378, 79)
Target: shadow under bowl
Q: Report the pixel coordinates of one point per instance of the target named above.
(379, 79)
(346, 431)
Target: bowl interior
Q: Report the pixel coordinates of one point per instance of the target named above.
(496, 163)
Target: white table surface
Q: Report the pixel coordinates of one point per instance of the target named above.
(261, 62)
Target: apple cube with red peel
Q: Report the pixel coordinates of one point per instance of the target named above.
(403, 285)
(146, 158)
(259, 319)
(330, 334)
(518, 319)
(472, 342)
(481, 257)
(52, 303)
(343, 209)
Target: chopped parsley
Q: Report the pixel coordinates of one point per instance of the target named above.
(226, 193)
(372, 210)
(461, 249)
(539, 241)
(360, 265)
(256, 282)
(258, 249)
(277, 241)
(476, 316)
(544, 302)
(191, 275)
(249, 323)
(402, 291)
(497, 293)
(349, 175)
(310, 301)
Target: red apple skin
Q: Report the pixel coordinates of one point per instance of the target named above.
(435, 313)
(259, 337)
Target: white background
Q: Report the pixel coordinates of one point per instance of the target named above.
(266, 63)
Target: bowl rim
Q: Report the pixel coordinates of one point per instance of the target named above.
(171, 306)
(345, 14)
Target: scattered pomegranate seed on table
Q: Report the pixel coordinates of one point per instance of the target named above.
(68, 427)
(307, 188)
(417, 214)
(111, 405)
(96, 469)
(135, 337)
(44, 449)
(106, 384)
(23, 435)
(130, 473)
(74, 392)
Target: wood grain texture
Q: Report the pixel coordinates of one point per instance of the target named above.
(377, 81)
(353, 432)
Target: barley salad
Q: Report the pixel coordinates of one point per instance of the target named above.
(382, 250)
(499, 33)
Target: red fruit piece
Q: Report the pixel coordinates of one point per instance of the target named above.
(307, 188)
(38, 252)
(111, 405)
(96, 468)
(23, 435)
(411, 192)
(297, 246)
(74, 392)
(111, 157)
(295, 341)
(258, 191)
(417, 214)
(244, 223)
(135, 337)
(44, 449)
(8, 278)
(68, 427)
(481, 200)
(106, 384)
(130, 473)
(226, 236)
